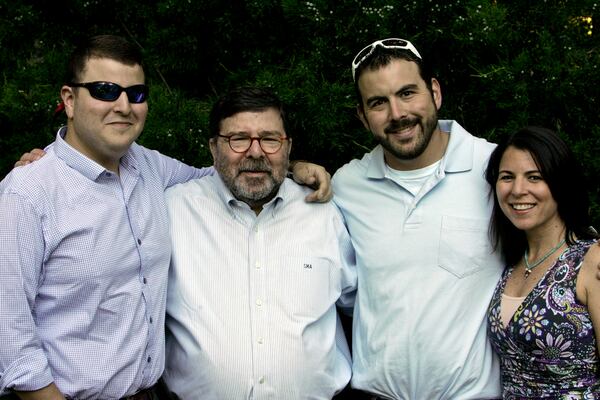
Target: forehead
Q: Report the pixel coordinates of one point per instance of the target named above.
(107, 69)
(390, 77)
(517, 159)
(250, 122)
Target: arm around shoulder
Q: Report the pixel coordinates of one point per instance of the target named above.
(313, 175)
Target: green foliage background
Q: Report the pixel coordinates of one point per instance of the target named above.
(502, 65)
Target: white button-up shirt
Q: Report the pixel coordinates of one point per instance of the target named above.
(251, 308)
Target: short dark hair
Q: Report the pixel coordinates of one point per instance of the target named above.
(564, 177)
(382, 57)
(101, 46)
(241, 99)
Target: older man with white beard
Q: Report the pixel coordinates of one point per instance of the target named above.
(256, 271)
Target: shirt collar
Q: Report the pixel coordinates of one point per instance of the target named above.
(87, 167)
(457, 158)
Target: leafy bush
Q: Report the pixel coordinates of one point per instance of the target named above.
(501, 64)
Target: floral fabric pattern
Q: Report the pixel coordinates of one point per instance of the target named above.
(548, 349)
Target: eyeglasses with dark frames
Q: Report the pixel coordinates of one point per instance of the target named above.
(109, 91)
(241, 143)
(389, 43)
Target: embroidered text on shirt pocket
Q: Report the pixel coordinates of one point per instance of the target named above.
(464, 245)
(305, 286)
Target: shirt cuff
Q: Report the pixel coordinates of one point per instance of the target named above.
(30, 372)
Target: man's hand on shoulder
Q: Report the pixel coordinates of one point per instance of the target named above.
(30, 157)
(315, 176)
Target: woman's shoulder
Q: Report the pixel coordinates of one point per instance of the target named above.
(589, 274)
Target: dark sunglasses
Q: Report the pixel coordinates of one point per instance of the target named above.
(108, 91)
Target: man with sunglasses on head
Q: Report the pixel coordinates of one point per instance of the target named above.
(256, 272)
(85, 243)
(417, 211)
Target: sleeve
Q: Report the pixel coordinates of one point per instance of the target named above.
(348, 261)
(23, 362)
(173, 171)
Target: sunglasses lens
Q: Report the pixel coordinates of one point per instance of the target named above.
(137, 93)
(105, 91)
(108, 91)
(394, 42)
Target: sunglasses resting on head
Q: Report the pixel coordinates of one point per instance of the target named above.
(389, 43)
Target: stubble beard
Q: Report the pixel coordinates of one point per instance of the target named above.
(254, 191)
(401, 150)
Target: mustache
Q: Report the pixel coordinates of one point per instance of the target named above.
(396, 125)
(254, 165)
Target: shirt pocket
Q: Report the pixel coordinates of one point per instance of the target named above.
(464, 245)
(304, 289)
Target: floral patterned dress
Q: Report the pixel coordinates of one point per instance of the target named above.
(548, 349)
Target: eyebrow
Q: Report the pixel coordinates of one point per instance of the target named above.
(533, 171)
(410, 86)
(261, 133)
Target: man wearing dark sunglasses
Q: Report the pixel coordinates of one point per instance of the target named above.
(85, 243)
(417, 210)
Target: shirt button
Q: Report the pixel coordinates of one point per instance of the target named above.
(257, 265)
(261, 380)
(151, 320)
(149, 359)
(145, 281)
(139, 242)
(260, 340)
(256, 229)
(259, 302)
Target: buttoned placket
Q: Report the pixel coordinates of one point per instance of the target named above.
(125, 185)
(259, 302)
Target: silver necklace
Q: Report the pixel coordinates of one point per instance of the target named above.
(530, 267)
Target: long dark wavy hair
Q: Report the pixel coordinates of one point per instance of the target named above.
(563, 175)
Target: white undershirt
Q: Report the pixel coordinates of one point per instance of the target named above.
(412, 180)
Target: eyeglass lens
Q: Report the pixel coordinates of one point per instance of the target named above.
(241, 144)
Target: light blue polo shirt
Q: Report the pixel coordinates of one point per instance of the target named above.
(426, 274)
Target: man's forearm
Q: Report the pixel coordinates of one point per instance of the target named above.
(50, 392)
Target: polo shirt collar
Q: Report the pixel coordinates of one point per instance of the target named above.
(457, 158)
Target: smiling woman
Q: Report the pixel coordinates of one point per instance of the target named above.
(544, 317)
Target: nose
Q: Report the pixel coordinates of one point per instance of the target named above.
(255, 151)
(122, 104)
(519, 186)
(397, 110)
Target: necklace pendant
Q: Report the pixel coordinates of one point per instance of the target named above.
(527, 272)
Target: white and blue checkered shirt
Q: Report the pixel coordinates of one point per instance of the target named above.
(83, 272)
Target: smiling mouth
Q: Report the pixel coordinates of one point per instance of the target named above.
(522, 206)
(120, 125)
(401, 129)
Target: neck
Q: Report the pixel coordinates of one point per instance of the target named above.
(540, 244)
(433, 152)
